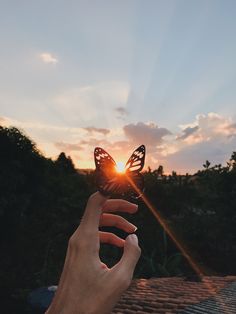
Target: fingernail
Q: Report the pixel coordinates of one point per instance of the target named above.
(135, 228)
(133, 238)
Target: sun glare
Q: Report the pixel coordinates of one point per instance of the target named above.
(120, 167)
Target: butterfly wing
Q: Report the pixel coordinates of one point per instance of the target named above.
(105, 170)
(133, 168)
(103, 161)
(136, 160)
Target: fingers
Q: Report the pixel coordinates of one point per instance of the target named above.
(97, 204)
(111, 238)
(87, 232)
(119, 205)
(110, 220)
(125, 267)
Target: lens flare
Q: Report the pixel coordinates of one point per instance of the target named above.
(120, 167)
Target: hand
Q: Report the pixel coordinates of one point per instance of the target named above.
(88, 286)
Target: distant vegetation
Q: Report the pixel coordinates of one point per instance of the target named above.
(42, 201)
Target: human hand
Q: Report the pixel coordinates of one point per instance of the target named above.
(88, 286)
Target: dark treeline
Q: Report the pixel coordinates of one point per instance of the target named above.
(42, 201)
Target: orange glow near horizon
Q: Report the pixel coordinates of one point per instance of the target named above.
(120, 167)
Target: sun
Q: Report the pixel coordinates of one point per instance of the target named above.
(120, 167)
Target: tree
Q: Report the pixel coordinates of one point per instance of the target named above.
(65, 163)
(232, 161)
(159, 172)
(207, 164)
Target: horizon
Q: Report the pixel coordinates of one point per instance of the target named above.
(122, 74)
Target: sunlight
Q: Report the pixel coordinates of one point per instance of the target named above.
(120, 167)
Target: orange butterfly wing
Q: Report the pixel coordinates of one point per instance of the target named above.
(110, 182)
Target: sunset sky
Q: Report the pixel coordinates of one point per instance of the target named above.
(118, 74)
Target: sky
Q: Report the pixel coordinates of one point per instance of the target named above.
(117, 74)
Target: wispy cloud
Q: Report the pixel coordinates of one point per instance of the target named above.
(47, 57)
(92, 104)
(187, 132)
(92, 130)
(67, 147)
(121, 112)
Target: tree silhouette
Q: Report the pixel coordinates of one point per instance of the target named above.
(207, 164)
(65, 163)
(232, 161)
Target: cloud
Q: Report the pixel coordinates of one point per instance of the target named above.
(92, 130)
(231, 129)
(2, 120)
(47, 57)
(92, 142)
(187, 132)
(210, 137)
(67, 147)
(122, 111)
(233, 126)
(191, 158)
(147, 133)
(207, 127)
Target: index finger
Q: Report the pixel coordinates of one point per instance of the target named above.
(93, 210)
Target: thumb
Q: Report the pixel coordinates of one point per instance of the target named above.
(130, 256)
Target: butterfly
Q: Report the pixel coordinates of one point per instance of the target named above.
(109, 181)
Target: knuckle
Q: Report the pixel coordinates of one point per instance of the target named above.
(96, 198)
(76, 243)
(92, 197)
(86, 235)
